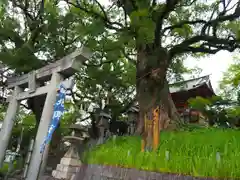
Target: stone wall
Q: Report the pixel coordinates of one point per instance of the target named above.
(97, 172)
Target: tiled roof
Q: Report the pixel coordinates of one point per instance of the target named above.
(190, 84)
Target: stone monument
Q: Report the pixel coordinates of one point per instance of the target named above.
(70, 164)
(132, 119)
(103, 125)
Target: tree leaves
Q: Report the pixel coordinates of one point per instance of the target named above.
(96, 28)
(217, 109)
(229, 84)
(143, 24)
(234, 27)
(28, 44)
(185, 31)
(199, 103)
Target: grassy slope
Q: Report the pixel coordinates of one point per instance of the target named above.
(4, 168)
(191, 153)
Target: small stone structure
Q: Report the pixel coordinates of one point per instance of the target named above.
(132, 119)
(103, 126)
(70, 163)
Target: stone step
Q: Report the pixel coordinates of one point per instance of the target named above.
(70, 161)
(62, 175)
(67, 168)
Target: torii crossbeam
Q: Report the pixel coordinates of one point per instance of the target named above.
(56, 73)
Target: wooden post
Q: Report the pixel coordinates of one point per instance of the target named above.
(39, 159)
(144, 136)
(150, 138)
(8, 123)
(147, 138)
(156, 132)
(150, 134)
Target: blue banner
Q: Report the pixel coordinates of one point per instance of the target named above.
(57, 113)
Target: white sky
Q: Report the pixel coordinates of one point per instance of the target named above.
(214, 65)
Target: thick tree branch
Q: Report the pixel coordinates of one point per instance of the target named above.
(108, 23)
(12, 36)
(35, 23)
(169, 7)
(41, 9)
(222, 17)
(102, 9)
(128, 5)
(210, 44)
(182, 23)
(38, 25)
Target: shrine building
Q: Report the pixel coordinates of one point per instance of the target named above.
(182, 91)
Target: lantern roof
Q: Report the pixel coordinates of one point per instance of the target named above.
(78, 127)
(104, 114)
(133, 109)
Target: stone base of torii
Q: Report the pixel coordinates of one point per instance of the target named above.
(56, 73)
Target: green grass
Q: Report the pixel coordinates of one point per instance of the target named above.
(192, 152)
(4, 168)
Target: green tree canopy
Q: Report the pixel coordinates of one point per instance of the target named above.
(128, 40)
(37, 33)
(159, 32)
(217, 109)
(230, 83)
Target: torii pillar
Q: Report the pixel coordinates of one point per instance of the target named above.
(55, 73)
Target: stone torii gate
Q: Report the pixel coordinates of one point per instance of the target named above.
(36, 84)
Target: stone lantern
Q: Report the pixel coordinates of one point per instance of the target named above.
(103, 126)
(70, 163)
(132, 119)
(10, 157)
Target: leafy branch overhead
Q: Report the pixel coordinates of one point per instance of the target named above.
(159, 33)
(229, 84)
(181, 26)
(33, 36)
(30, 32)
(35, 33)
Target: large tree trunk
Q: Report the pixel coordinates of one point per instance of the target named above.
(170, 108)
(175, 120)
(153, 90)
